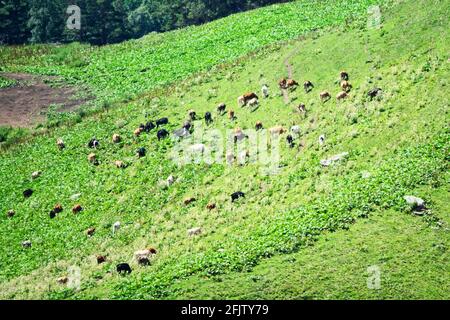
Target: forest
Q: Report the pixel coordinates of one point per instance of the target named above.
(103, 22)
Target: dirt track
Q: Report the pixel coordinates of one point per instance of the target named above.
(26, 103)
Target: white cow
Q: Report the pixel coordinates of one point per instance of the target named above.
(265, 91)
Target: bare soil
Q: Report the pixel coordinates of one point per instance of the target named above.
(26, 103)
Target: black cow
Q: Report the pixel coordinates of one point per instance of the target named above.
(162, 122)
(123, 268)
(28, 193)
(93, 143)
(52, 214)
(235, 196)
(208, 118)
(290, 141)
(344, 76)
(149, 126)
(221, 108)
(187, 125)
(141, 152)
(374, 93)
(162, 134)
(308, 86)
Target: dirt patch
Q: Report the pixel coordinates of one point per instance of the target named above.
(26, 103)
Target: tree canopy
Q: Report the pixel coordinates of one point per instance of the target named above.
(108, 21)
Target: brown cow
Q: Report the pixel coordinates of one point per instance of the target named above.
(77, 209)
(345, 86)
(325, 96)
(342, 95)
(188, 201)
(277, 130)
(231, 115)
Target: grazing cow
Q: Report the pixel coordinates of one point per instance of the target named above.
(101, 259)
(277, 130)
(170, 180)
(282, 84)
(58, 208)
(290, 141)
(265, 91)
(123, 268)
(90, 232)
(192, 115)
(116, 138)
(26, 244)
(258, 126)
(138, 131)
(239, 135)
(287, 84)
(162, 121)
(241, 101)
(302, 108)
(27, 193)
(231, 115)
(119, 164)
(322, 140)
(10, 213)
(162, 134)
(244, 99)
(62, 280)
(197, 148)
(325, 96)
(92, 158)
(243, 156)
(93, 143)
(253, 103)
(181, 133)
(149, 126)
(208, 118)
(291, 83)
(230, 158)
(374, 93)
(60, 144)
(249, 96)
(77, 209)
(211, 206)
(308, 86)
(143, 256)
(187, 125)
(341, 95)
(344, 76)
(52, 214)
(115, 227)
(194, 231)
(296, 130)
(221, 108)
(35, 175)
(237, 195)
(188, 201)
(141, 152)
(346, 86)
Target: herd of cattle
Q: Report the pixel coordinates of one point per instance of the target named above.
(248, 99)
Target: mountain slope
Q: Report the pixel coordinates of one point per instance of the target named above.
(401, 140)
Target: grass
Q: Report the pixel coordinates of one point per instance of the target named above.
(135, 67)
(411, 254)
(401, 139)
(6, 83)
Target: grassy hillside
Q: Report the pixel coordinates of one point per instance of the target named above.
(401, 140)
(134, 67)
